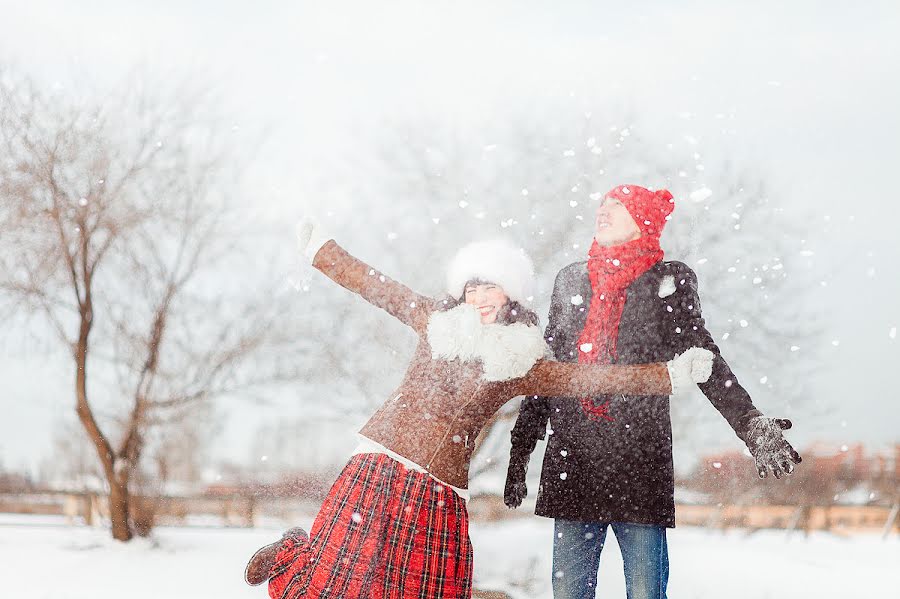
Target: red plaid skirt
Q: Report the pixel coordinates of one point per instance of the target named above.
(383, 532)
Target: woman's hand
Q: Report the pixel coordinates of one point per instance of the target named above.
(310, 238)
(691, 367)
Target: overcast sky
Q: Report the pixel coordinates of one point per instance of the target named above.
(809, 90)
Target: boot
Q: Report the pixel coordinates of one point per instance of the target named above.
(259, 566)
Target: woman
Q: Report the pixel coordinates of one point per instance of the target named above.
(395, 524)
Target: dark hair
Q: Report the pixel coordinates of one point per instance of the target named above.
(510, 313)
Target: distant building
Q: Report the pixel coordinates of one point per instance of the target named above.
(829, 474)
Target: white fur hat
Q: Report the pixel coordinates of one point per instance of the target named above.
(497, 261)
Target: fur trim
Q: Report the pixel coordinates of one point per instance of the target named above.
(505, 351)
(497, 261)
(666, 286)
(455, 333)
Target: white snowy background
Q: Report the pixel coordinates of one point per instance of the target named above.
(801, 97)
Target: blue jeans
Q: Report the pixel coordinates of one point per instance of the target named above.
(576, 558)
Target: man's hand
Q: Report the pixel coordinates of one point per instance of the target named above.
(515, 490)
(769, 448)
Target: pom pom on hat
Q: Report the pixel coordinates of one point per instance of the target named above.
(496, 261)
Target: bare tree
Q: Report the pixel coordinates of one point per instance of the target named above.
(119, 233)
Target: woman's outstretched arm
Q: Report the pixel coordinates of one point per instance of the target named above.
(353, 274)
(570, 379)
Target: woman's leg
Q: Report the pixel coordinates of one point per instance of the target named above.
(576, 557)
(329, 560)
(646, 556)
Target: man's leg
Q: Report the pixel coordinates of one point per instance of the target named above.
(576, 557)
(646, 556)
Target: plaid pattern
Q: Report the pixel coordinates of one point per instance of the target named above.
(383, 532)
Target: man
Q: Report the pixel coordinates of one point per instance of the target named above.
(608, 461)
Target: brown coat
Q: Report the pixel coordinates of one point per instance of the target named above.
(441, 405)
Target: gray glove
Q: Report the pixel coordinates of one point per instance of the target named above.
(768, 446)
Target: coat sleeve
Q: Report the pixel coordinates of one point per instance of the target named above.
(355, 275)
(688, 329)
(569, 379)
(534, 411)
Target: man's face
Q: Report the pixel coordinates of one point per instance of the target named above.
(613, 224)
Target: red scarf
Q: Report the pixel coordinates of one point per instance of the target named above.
(611, 270)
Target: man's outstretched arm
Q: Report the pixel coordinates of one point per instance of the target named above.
(763, 435)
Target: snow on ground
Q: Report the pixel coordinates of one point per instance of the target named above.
(42, 558)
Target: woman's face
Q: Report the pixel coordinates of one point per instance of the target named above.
(487, 298)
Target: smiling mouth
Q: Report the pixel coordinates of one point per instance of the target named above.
(602, 225)
(485, 309)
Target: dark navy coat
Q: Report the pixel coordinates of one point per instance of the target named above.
(619, 468)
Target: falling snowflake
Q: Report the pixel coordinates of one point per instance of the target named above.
(701, 194)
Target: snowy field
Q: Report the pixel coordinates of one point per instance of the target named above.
(42, 558)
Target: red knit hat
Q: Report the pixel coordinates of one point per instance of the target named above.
(649, 209)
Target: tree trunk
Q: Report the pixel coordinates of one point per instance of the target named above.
(118, 487)
(118, 510)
